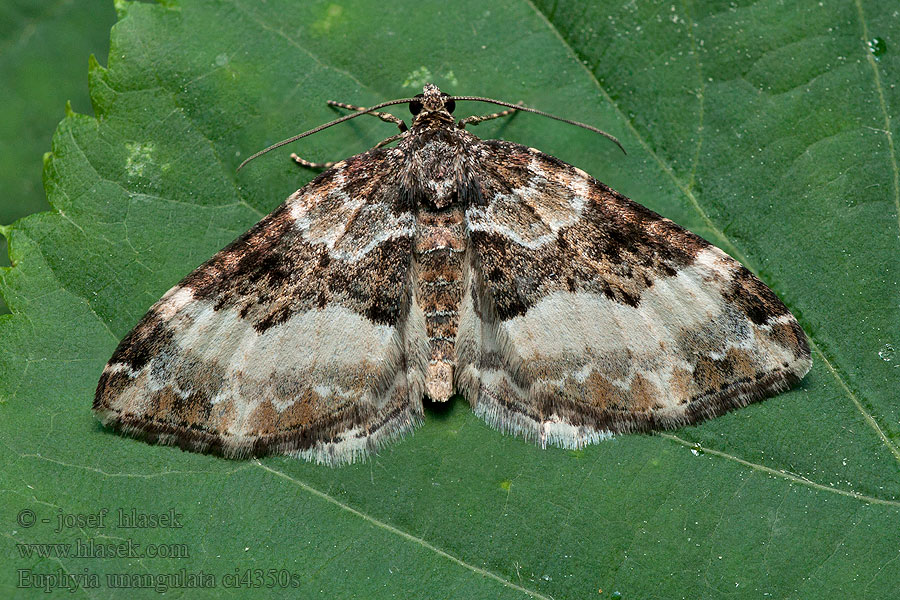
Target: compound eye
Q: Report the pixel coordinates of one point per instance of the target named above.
(416, 107)
(449, 105)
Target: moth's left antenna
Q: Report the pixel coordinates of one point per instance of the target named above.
(325, 126)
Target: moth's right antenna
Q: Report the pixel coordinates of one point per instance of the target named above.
(543, 114)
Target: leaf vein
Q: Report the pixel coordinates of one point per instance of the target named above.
(782, 474)
(876, 75)
(399, 532)
(723, 238)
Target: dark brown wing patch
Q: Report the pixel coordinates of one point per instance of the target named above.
(292, 340)
(598, 316)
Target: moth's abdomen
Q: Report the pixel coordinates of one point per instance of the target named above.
(440, 248)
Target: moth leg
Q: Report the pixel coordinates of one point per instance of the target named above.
(387, 141)
(312, 165)
(386, 117)
(476, 119)
(327, 165)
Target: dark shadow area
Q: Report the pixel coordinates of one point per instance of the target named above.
(441, 410)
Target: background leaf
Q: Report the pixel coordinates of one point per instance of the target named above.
(44, 46)
(766, 127)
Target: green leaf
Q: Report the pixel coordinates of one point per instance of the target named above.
(44, 46)
(766, 127)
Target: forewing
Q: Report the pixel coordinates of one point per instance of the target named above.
(592, 315)
(292, 340)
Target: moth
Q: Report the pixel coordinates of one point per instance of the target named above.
(561, 310)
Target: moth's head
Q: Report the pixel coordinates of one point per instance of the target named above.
(431, 100)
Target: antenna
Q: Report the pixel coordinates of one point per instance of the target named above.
(446, 98)
(543, 114)
(325, 126)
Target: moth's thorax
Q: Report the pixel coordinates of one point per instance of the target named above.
(439, 254)
(438, 164)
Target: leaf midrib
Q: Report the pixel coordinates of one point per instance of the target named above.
(399, 532)
(876, 75)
